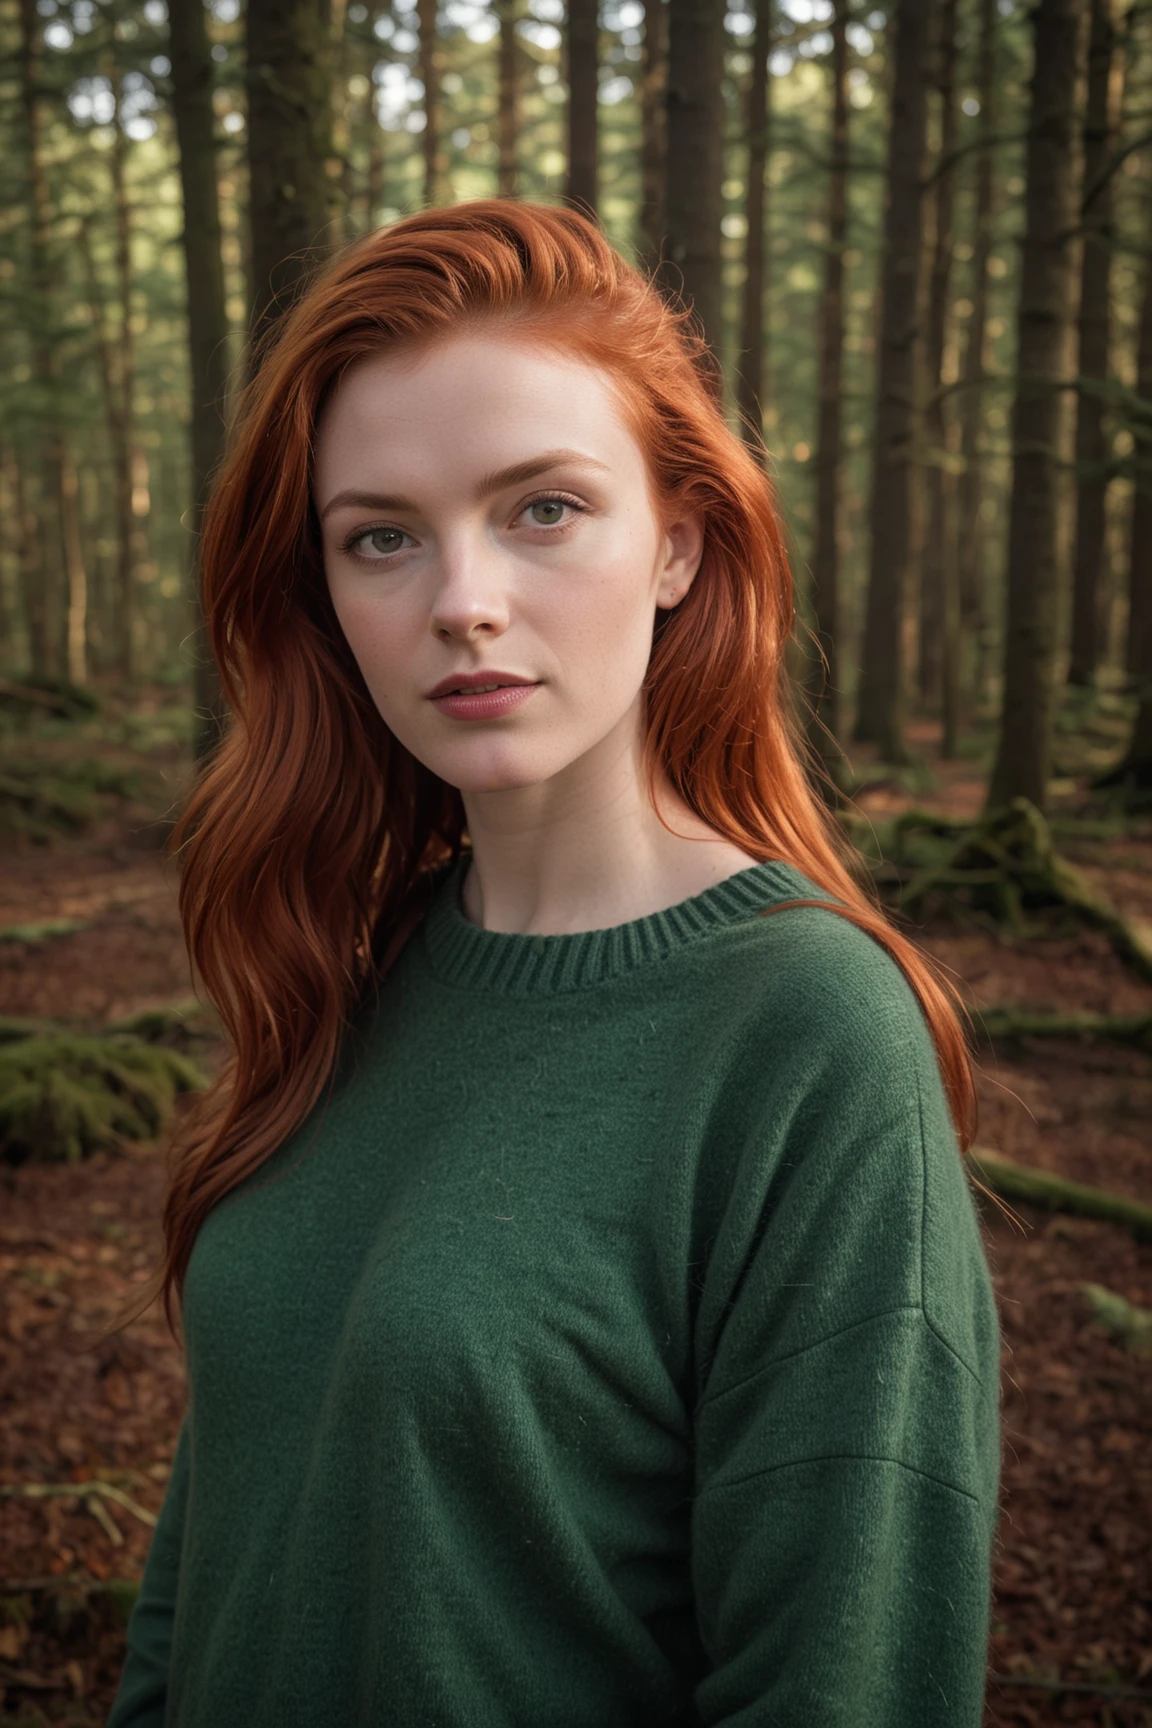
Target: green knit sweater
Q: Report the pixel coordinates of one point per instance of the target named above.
(614, 1348)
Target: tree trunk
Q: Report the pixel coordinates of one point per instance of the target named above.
(939, 620)
(692, 266)
(132, 535)
(1093, 345)
(41, 576)
(76, 637)
(973, 541)
(118, 447)
(192, 110)
(1023, 758)
(879, 713)
(654, 130)
(825, 686)
(752, 366)
(340, 188)
(374, 189)
(289, 147)
(1136, 765)
(432, 138)
(30, 568)
(582, 49)
(508, 103)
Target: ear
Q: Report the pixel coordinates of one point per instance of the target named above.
(683, 551)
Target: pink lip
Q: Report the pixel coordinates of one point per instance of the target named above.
(462, 705)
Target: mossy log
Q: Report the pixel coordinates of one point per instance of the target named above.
(1001, 1024)
(1005, 866)
(65, 1095)
(1130, 1324)
(1057, 1194)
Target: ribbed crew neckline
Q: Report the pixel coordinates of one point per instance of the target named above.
(515, 964)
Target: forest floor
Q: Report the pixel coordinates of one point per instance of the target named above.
(1072, 1619)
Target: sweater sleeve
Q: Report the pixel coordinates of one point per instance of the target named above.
(143, 1692)
(847, 1432)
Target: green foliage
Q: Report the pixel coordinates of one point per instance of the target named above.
(65, 1095)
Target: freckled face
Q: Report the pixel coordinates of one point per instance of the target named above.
(555, 577)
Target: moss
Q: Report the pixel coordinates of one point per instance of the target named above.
(65, 1095)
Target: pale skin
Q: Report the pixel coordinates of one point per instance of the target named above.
(564, 836)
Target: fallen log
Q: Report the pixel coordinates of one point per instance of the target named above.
(1056, 1193)
(1003, 1023)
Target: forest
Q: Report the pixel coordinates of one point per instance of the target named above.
(917, 237)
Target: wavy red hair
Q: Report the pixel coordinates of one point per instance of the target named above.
(308, 838)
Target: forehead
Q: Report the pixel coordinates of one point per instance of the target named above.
(466, 390)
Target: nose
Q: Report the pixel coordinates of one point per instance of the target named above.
(471, 595)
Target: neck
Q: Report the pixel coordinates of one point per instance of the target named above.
(586, 850)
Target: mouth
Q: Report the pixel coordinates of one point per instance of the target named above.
(478, 685)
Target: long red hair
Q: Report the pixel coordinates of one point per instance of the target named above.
(308, 838)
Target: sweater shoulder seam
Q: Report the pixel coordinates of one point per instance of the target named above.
(842, 1458)
(815, 1344)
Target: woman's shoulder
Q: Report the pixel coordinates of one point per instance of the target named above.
(821, 969)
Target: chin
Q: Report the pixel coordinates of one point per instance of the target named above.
(500, 772)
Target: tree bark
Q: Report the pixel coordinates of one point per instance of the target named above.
(1135, 768)
(972, 544)
(752, 366)
(508, 102)
(289, 147)
(132, 534)
(825, 685)
(939, 622)
(1139, 654)
(582, 54)
(41, 576)
(654, 133)
(192, 110)
(692, 265)
(880, 701)
(1023, 759)
(76, 633)
(435, 160)
(1094, 337)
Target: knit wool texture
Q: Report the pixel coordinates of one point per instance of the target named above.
(613, 1347)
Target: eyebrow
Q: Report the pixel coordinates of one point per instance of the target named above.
(513, 475)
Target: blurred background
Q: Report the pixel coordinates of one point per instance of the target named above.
(918, 237)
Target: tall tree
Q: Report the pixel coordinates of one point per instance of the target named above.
(752, 367)
(654, 132)
(938, 574)
(695, 100)
(1135, 767)
(508, 102)
(192, 111)
(132, 540)
(289, 148)
(879, 711)
(436, 189)
(56, 498)
(1093, 342)
(113, 372)
(1138, 656)
(582, 74)
(1023, 758)
(825, 688)
(971, 544)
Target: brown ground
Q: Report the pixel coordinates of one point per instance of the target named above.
(1072, 1623)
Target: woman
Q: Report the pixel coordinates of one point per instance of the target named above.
(611, 1344)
